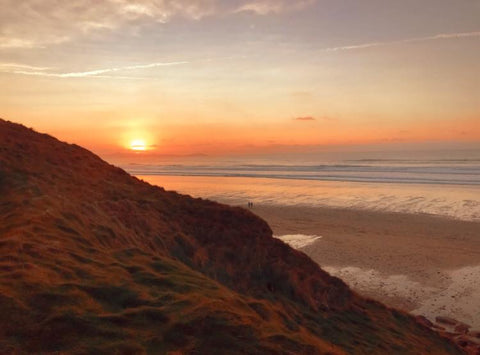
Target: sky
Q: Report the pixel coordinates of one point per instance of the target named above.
(232, 76)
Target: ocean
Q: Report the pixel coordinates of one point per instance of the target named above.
(445, 183)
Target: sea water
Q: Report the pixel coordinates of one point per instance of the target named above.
(445, 183)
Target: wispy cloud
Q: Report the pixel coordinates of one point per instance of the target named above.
(38, 24)
(18, 66)
(36, 71)
(6, 42)
(264, 7)
(408, 40)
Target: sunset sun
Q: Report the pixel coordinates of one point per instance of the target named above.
(138, 144)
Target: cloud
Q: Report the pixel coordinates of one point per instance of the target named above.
(8, 67)
(408, 40)
(38, 71)
(264, 7)
(37, 24)
(34, 24)
(305, 118)
(6, 42)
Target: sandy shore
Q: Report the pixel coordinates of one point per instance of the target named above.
(420, 263)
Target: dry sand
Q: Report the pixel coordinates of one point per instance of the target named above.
(420, 263)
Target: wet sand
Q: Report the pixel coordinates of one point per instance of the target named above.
(423, 264)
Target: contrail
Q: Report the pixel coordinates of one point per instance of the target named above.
(95, 73)
(21, 66)
(408, 40)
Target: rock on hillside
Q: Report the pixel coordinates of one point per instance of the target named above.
(93, 260)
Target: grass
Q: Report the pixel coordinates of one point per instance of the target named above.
(117, 266)
(114, 298)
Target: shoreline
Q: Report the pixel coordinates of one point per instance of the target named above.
(436, 200)
(424, 264)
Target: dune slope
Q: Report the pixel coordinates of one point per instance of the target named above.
(93, 260)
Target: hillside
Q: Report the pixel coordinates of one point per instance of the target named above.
(93, 260)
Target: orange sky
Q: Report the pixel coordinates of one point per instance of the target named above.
(214, 77)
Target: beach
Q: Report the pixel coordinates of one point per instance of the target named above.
(420, 263)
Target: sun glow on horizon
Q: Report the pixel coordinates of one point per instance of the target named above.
(138, 145)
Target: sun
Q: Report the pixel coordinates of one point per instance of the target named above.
(138, 144)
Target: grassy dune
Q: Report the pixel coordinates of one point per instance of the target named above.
(93, 260)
